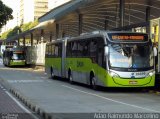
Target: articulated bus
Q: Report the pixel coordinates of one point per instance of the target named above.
(14, 57)
(109, 59)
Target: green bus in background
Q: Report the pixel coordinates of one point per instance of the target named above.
(101, 58)
(14, 57)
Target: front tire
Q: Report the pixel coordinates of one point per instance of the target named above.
(52, 73)
(93, 83)
(70, 77)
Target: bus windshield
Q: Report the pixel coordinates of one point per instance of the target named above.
(18, 56)
(130, 55)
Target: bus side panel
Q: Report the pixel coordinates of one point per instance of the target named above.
(55, 64)
(17, 63)
(81, 68)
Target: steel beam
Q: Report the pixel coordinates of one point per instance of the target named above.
(121, 12)
(50, 37)
(148, 13)
(31, 39)
(24, 41)
(80, 16)
(18, 42)
(57, 31)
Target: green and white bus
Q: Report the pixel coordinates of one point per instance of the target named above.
(14, 57)
(109, 59)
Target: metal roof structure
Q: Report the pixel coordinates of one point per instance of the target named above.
(79, 16)
(103, 14)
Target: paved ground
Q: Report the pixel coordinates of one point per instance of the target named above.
(59, 98)
(10, 107)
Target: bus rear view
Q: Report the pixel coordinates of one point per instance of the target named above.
(130, 60)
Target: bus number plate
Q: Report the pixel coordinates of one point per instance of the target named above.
(132, 82)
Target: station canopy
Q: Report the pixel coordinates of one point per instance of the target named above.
(102, 14)
(94, 15)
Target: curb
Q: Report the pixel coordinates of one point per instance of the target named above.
(40, 112)
(154, 92)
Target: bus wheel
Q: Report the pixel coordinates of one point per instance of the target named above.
(93, 83)
(70, 77)
(52, 73)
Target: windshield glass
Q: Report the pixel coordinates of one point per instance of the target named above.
(18, 56)
(130, 55)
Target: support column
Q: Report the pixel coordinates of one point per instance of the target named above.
(80, 21)
(42, 35)
(121, 12)
(24, 41)
(31, 39)
(38, 39)
(148, 13)
(57, 31)
(105, 23)
(18, 43)
(50, 38)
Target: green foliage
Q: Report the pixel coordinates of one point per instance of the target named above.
(29, 25)
(5, 14)
(18, 29)
(4, 35)
(13, 32)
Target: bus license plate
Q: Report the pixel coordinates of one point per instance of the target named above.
(132, 82)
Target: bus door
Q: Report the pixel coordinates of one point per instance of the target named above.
(63, 64)
(100, 56)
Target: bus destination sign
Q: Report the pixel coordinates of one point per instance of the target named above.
(127, 37)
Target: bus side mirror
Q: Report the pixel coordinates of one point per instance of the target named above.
(106, 50)
(155, 51)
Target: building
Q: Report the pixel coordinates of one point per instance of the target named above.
(55, 3)
(31, 10)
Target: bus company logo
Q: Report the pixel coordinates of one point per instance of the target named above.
(132, 75)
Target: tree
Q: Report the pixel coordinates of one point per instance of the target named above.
(19, 29)
(5, 14)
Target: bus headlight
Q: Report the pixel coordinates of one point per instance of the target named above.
(113, 74)
(151, 73)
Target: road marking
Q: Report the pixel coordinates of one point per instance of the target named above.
(25, 81)
(19, 104)
(131, 105)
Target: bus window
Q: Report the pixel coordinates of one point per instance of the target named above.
(69, 48)
(131, 56)
(18, 56)
(85, 48)
(79, 49)
(93, 51)
(47, 50)
(56, 51)
(74, 49)
(52, 50)
(60, 49)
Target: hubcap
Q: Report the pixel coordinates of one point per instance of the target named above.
(70, 78)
